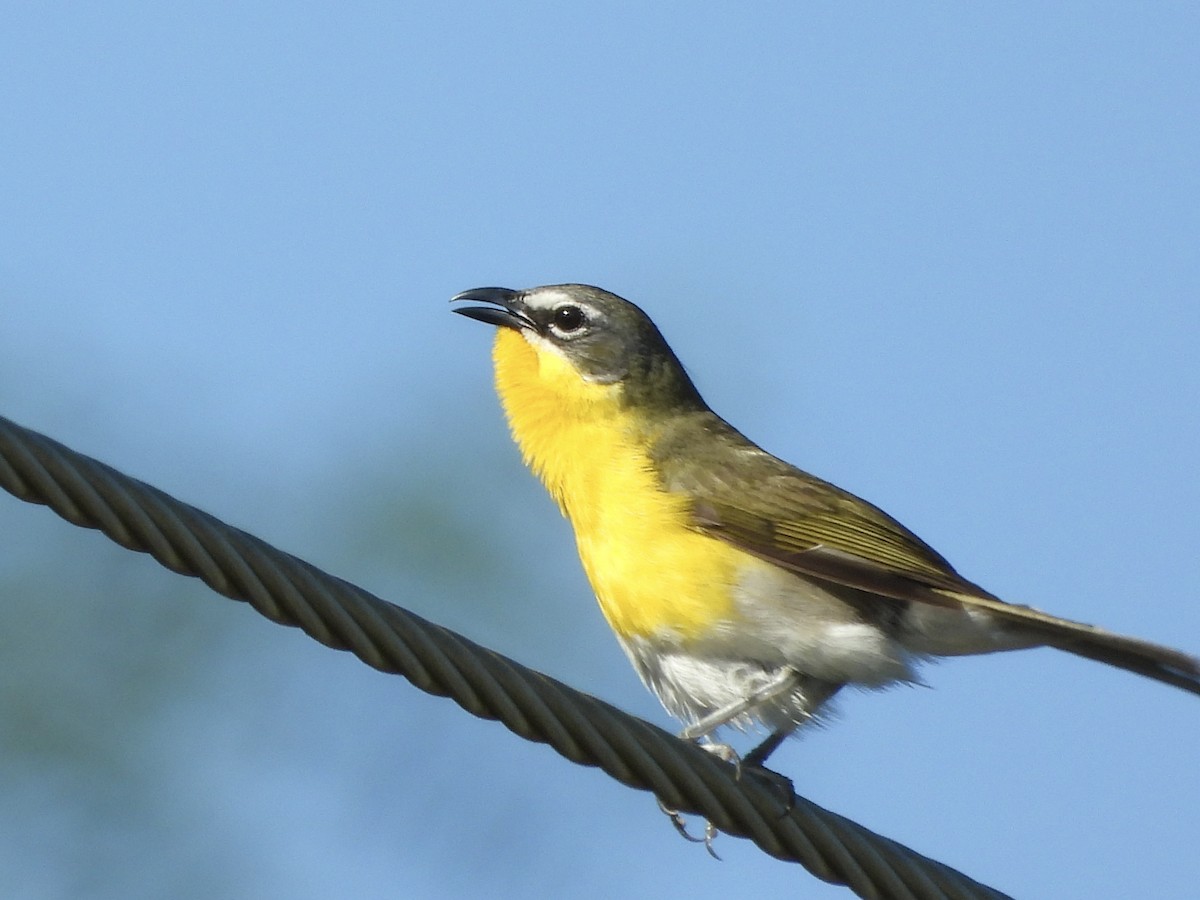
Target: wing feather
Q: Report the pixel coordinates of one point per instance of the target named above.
(741, 494)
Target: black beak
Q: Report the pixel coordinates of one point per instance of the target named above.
(510, 313)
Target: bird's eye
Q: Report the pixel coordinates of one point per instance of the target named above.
(568, 318)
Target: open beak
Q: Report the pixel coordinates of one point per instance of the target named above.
(506, 310)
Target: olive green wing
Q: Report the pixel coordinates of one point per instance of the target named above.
(813, 528)
(740, 494)
(743, 495)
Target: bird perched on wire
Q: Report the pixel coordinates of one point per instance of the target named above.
(744, 590)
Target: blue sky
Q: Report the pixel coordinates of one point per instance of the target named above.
(943, 256)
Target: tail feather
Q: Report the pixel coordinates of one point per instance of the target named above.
(1165, 664)
(1141, 657)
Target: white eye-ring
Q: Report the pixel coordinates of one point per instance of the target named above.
(567, 319)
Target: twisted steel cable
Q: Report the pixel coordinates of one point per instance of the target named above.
(386, 637)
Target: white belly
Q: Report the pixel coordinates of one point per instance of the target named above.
(785, 621)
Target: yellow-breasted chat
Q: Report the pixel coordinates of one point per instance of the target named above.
(743, 589)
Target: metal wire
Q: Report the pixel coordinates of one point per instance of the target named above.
(386, 637)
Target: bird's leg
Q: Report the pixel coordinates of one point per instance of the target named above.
(816, 694)
(784, 682)
(754, 764)
(758, 756)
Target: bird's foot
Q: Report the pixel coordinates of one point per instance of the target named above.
(752, 766)
(680, 823)
(723, 752)
(780, 785)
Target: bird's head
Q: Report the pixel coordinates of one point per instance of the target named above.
(580, 341)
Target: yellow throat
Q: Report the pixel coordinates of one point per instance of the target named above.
(653, 576)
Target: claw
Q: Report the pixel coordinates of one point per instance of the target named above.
(752, 766)
(781, 785)
(680, 823)
(725, 752)
(710, 835)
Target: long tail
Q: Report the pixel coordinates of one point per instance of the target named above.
(1152, 660)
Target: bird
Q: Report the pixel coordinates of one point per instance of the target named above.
(745, 591)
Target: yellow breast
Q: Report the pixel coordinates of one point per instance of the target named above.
(652, 575)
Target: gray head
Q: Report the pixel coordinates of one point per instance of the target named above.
(606, 338)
